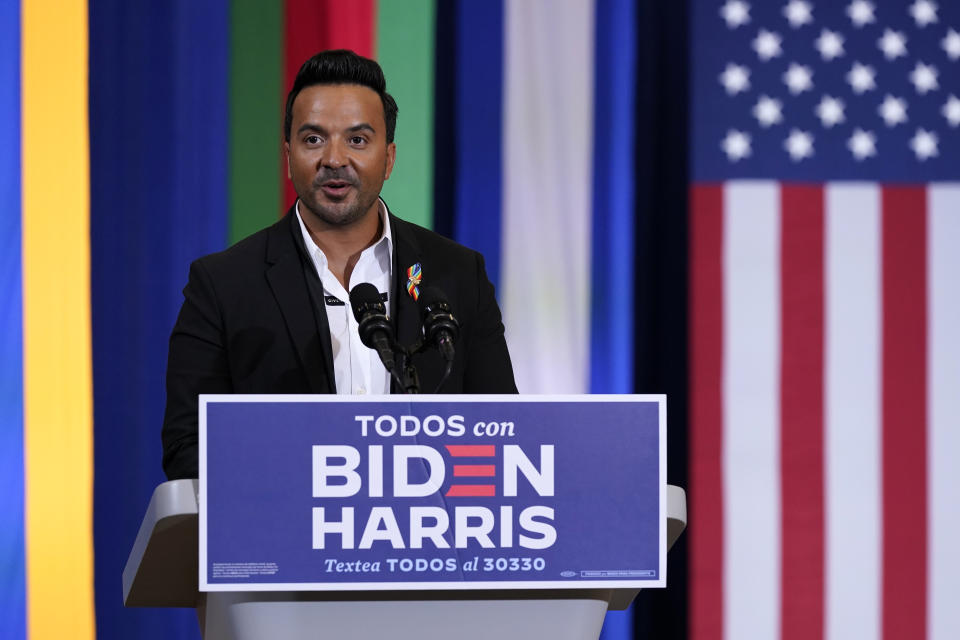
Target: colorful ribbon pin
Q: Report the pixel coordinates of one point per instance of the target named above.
(413, 280)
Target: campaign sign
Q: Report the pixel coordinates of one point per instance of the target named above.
(432, 492)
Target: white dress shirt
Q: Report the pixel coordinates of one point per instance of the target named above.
(357, 368)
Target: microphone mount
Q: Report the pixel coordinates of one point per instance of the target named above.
(440, 329)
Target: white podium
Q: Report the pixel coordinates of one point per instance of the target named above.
(162, 571)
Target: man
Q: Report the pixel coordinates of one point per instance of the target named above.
(272, 314)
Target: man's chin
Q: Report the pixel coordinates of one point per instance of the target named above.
(336, 214)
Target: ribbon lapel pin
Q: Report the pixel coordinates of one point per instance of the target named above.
(414, 276)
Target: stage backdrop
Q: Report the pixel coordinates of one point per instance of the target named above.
(143, 135)
(561, 138)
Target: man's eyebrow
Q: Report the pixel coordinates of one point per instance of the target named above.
(307, 126)
(363, 126)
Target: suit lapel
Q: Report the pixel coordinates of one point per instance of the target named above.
(309, 330)
(429, 364)
(406, 253)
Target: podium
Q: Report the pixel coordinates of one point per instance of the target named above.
(267, 544)
(161, 571)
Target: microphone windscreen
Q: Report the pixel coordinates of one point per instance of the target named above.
(365, 298)
(437, 317)
(431, 297)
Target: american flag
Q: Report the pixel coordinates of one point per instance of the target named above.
(825, 327)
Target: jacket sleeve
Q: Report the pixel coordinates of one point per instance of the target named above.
(197, 363)
(488, 366)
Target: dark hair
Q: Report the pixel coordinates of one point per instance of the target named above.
(342, 66)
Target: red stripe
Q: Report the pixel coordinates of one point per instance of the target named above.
(801, 413)
(351, 25)
(315, 25)
(472, 450)
(904, 413)
(471, 490)
(706, 426)
(474, 470)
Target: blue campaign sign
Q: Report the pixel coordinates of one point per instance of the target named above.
(432, 492)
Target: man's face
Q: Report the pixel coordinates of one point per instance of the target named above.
(338, 156)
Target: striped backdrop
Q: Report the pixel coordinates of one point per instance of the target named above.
(141, 135)
(824, 322)
(825, 404)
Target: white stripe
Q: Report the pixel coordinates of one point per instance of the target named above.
(943, 352)
(751, 410)
(852, 408)
(547, 169)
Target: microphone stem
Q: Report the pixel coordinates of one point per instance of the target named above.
(405, 373)
(446, 374)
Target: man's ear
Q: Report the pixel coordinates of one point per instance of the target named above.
(286, 154)
(391, 158)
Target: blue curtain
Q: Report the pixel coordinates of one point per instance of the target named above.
(158, 124)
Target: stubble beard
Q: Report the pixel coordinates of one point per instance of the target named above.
(340, 214)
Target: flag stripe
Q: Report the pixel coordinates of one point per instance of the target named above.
(256, 104)
(943, 352)
(706, 532)
(303, 37)
(546, 192)
(314, 25)
(852, 404)
(751, 416)
(56, 308)
(348, 25)
(159, 200)
(479, 125)
(611, 328)
(801, 411)
(12, 578)
(405, 49)
(904, 412)
(612, 231)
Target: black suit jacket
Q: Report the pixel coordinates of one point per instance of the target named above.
(252, 321)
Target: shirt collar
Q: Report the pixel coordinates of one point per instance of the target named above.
(383, 243)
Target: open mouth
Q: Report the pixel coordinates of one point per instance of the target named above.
(335, 188)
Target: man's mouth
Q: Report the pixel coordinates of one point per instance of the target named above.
(335, 188)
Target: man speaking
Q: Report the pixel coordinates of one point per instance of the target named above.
(272, 314)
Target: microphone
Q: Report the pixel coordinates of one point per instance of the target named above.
(439, 325)
(374, 328)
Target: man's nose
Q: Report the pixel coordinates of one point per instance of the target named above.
(334, 154)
